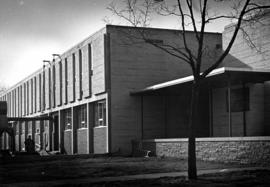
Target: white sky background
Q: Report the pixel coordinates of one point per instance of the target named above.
(32, 30)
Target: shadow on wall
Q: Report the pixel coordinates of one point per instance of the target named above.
(231, 61)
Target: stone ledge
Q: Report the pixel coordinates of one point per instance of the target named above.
(211, 139)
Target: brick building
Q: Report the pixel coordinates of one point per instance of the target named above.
(105, 92)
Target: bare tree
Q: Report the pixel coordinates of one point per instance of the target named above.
(194, 15)
(2, 89)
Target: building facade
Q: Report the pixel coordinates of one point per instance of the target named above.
(109, 90)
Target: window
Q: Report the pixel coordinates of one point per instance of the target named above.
(29, 127)
(23, 128)
(37, 126)
(239, 100)
(67, 119)
(80, 74)
(17, 128)
(53, 86)
(82, 116)
(100, 113)
(66, 80)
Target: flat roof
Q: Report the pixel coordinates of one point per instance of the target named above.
(217, 77)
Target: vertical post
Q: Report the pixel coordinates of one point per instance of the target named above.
(33, 130)
(244, 109)
(74, 131)
(61, 131)
(50, 133)
(43, 91)
(210, 99)
(229, 107)
(142, 134)
(165, 115)
(90, 125)
(19, 134)
(41, 129)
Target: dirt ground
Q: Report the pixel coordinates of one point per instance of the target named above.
(242, 178)
(58, 167)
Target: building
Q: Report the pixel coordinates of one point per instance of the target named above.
(109, 90)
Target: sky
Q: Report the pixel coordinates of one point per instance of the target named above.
(32, 30)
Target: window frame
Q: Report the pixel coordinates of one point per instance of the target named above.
(100, 114)
(82, 116)
(67, 120)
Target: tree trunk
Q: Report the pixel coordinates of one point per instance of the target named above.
(192, 169)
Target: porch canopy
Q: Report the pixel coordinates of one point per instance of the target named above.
(221, 77)
(224, 77)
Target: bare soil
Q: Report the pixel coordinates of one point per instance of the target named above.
(243, 178)
(49, 168)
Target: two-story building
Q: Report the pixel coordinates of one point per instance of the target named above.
(111, 89)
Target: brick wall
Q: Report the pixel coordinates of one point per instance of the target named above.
(82, 141)
(100, 140)
(245, 150)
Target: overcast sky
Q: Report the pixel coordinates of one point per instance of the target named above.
(32, 30)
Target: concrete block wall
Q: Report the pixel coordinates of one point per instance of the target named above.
(244, 150)
(100, 140)
(140, 65)
(243, 53)
(82, 141)
(68, 142)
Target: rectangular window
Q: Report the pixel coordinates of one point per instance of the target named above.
(73, 86)
(239, 100)
(53, 86)
(67, 119)
(31, 95)
(27, 98)
(23, 127)
(100, 113)
(66, 80)
(82, 116)
(17, 128)
(35, 95)
(37, 127)
(29, 127)
(60, 84)
(80, 74)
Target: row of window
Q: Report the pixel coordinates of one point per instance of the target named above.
(58, 84)
(81, 114)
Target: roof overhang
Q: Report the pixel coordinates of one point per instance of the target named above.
(217, 78)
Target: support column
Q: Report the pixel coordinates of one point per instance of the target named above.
(244, 110)
(19, 135)
(142, 135)
(41, 133)
(50, 134)
(33, 130)
(210, 111)
(74, 131)
(61, 131)
(90, 125)
(25, 130)
(165, 102)
(229, 108)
